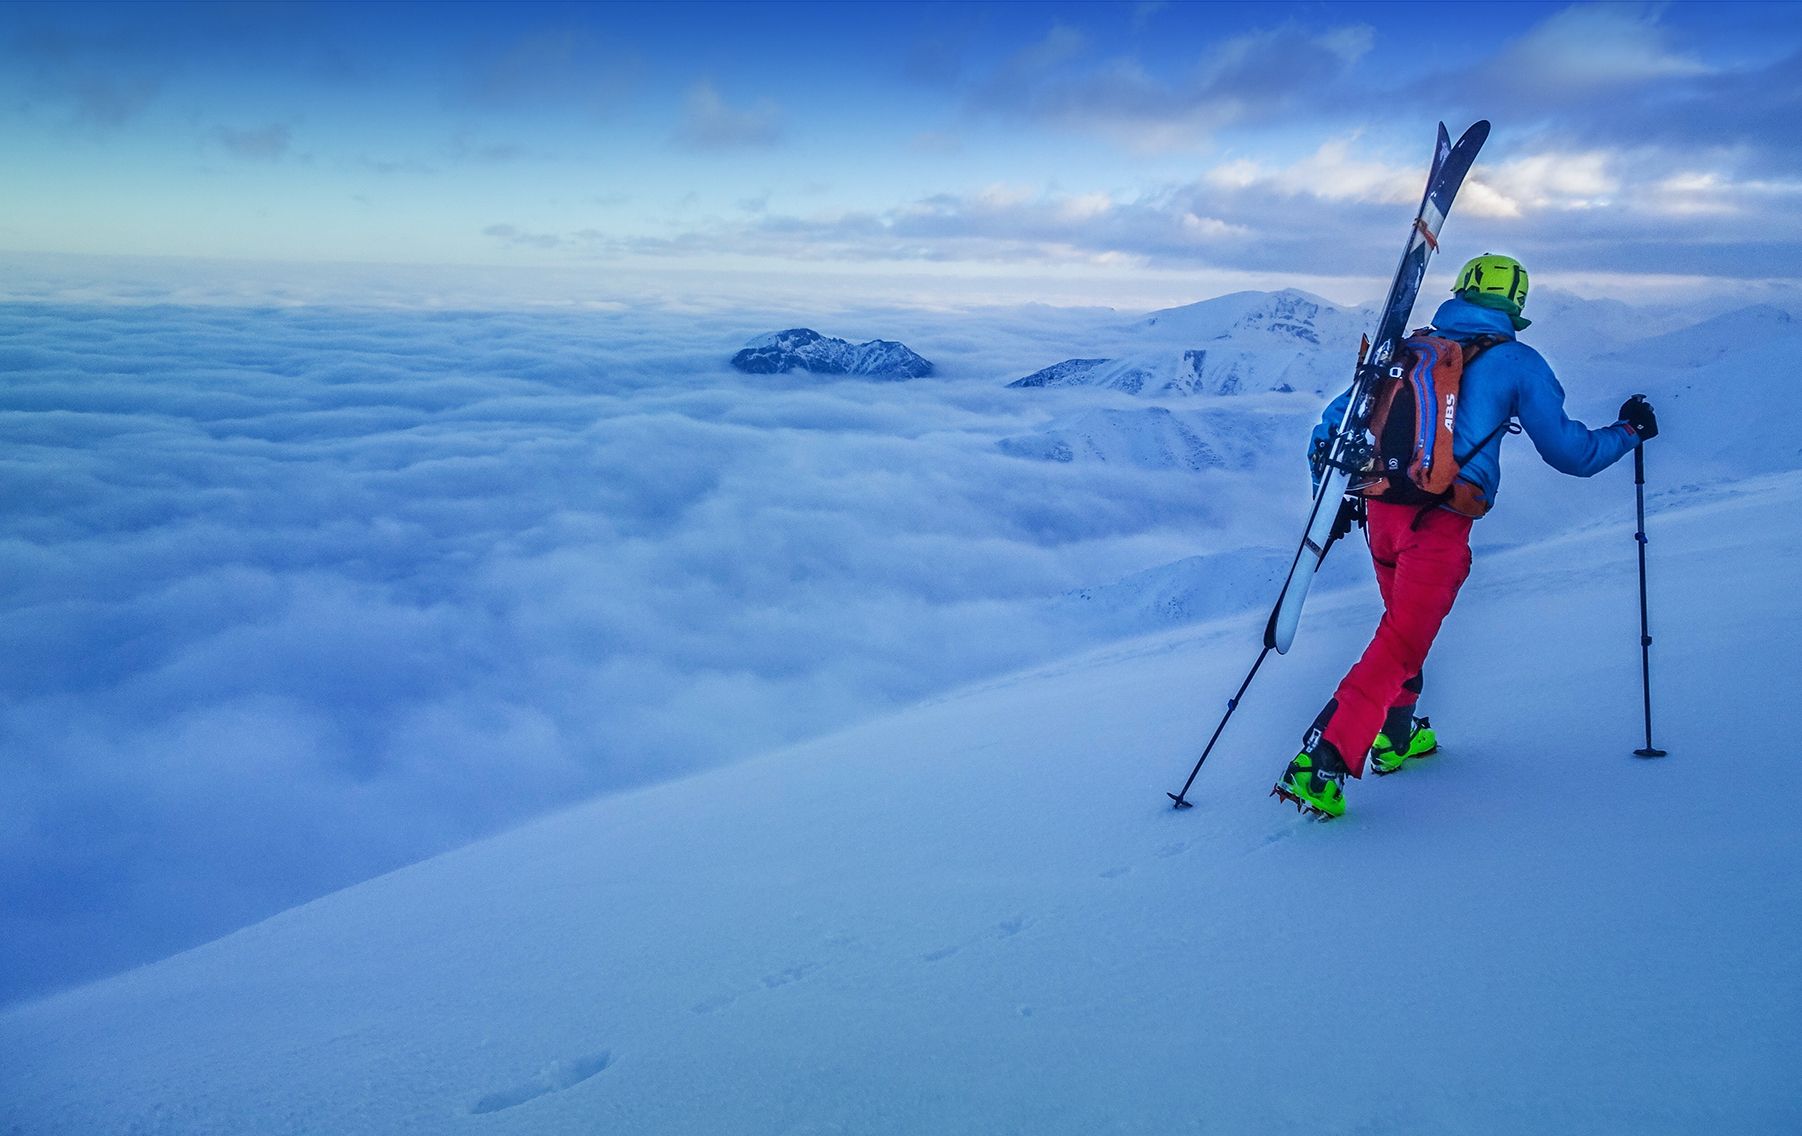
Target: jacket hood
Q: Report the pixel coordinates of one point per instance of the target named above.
(1461, 317)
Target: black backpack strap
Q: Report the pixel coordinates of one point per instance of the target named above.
(1473, 347)
(1508, 425)
(1477, 344)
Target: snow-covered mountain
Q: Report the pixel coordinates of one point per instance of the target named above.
(980, 915)
(1196, 370)
(1569, 330)
(1251, 342)
(1745, 332)
(803, 349)
(1720, 387)
(1281, 319)
(1248, 342)
(1712, 381)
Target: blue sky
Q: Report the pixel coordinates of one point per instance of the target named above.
(1017, 146)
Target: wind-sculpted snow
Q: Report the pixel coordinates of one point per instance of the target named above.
(802, 349)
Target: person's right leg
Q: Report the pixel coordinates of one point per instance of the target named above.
(1431, 556)
(1404, 735)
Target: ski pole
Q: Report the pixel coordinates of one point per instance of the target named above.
(1645, 635)
(1231, 705)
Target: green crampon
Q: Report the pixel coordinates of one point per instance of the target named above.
(1310, 790)
(1386, 759)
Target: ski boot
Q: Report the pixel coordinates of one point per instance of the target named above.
(1315, 782)
(1386, 757)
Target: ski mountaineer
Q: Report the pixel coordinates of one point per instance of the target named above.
(1422, 553)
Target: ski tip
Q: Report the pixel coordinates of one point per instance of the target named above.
(1479, 130)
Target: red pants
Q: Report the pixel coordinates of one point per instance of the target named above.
(1421, 562)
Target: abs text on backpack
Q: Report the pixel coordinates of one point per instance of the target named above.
(1412, 422)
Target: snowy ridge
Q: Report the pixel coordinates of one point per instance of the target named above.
(1248, 342)
(1191, 371)
(979, 915)
(1286, 318)
(803, 349)
(1743, 331)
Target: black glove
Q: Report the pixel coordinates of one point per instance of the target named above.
(1351, 512)
(1317, 460)
(1637, 413)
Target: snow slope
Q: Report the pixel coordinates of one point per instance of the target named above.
(980, 916)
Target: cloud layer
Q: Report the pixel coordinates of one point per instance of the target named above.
(297, 596)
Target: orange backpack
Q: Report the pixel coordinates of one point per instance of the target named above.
(1412, 420)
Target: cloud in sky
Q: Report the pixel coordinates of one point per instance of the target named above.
(1341, 205)
(264, 143)
(1634, 77)
(513, 235)
(91, 78)
(571, 66)
(1245, 79)
(1589, 48)
(710, 123)
(1185, 118)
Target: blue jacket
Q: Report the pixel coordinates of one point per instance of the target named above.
(1509, 380)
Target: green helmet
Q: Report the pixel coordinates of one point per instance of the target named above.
(1495, 281)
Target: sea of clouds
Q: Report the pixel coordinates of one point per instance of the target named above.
(298, 594)
(300, 589)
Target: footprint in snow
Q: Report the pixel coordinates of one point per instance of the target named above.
(1280, 834)
(1115, 873)
(1000, 932)
(714, 1004)
(553, 1078)
(792, 974)
(1175, 849)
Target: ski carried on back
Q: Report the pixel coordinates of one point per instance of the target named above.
(1349, 446)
